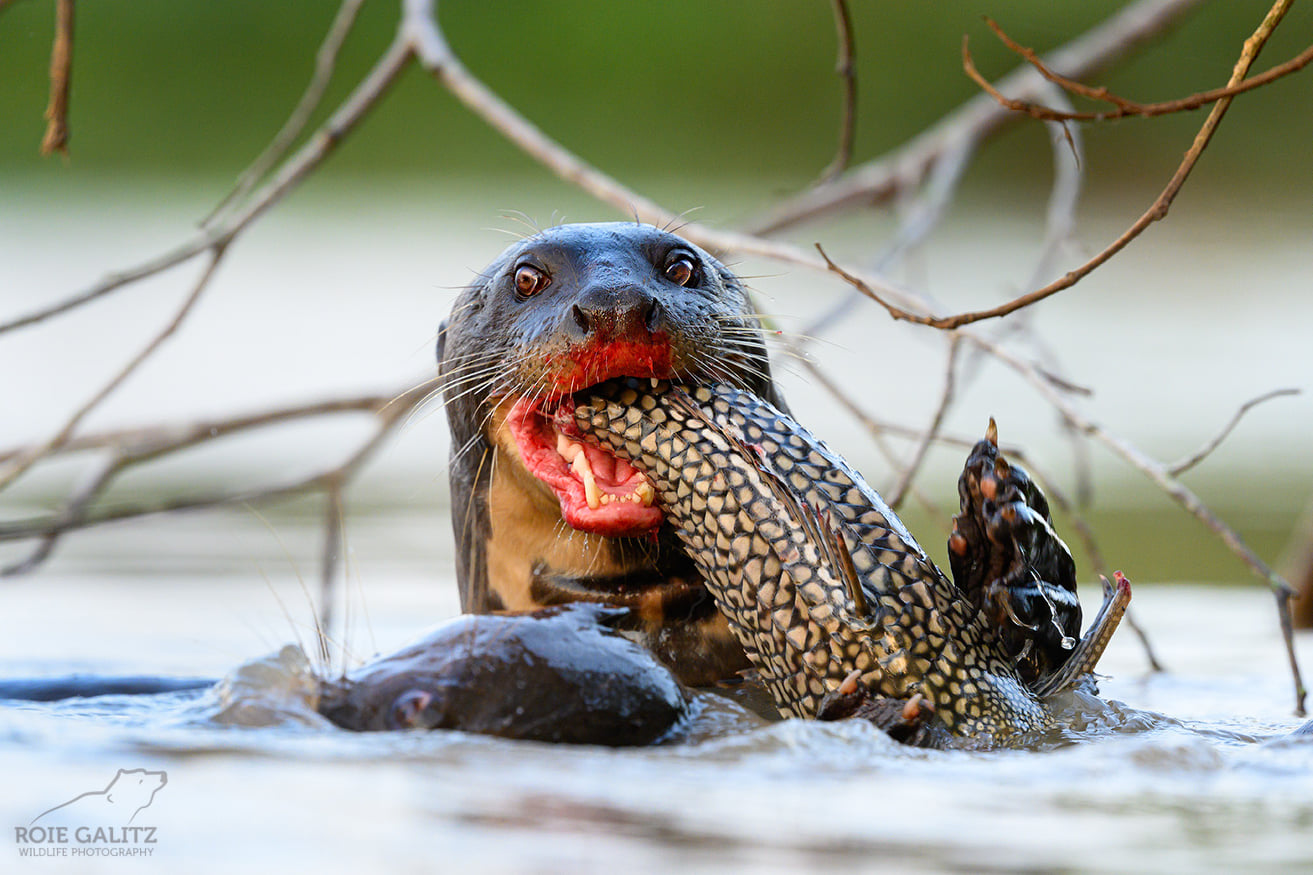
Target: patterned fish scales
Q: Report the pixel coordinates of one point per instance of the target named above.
(738, 478)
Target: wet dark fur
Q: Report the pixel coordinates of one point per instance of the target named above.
(513, 550)
(559, 675)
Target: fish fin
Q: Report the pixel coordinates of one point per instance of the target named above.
(1094, 642)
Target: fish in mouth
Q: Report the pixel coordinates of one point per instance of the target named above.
(828, 593)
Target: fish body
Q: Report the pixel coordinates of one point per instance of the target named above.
(816, 575)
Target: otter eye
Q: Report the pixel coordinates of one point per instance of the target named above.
(529, 280)
(680, 270)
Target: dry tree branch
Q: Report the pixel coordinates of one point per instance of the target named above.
(1162, 477)
(846, 68)
(920, 218)
(320, 145)
(1124, 107)
(932, 431)
(876, 181)
(17, 466)
(128, 448)
(325, 63)
(1157, 210)
(1179, 467)
(61, 73)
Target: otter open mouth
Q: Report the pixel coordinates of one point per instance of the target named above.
(598, 492)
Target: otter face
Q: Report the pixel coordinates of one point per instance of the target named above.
(541, 518)
(576, 305)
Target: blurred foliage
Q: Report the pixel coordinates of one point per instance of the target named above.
(645, 90)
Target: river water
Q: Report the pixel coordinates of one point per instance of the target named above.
(1190, 772)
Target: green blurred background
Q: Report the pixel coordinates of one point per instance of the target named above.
(648, 91)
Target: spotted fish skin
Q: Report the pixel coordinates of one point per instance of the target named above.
(745, 486)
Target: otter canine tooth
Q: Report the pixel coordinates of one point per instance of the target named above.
(585, 472)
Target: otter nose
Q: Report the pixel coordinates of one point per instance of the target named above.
(629, 313)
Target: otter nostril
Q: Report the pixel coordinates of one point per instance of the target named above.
(654, 315)
(580, 317)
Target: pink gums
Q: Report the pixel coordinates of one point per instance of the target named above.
(537, 438)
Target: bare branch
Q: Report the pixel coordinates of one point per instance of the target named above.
(1124, 107)
(932, 431)
(320, 145)
(979, 118)
(1157, 211)
(1181, 466)
(77, 504)
(1161, 477)
(141, 444)
(325, 62)
(61, 72)
(846, 68)
(15, 467)
(389, 409)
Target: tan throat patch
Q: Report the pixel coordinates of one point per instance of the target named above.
(526, 528)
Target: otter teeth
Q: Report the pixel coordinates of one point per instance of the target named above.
(573, 453)
(591, 492)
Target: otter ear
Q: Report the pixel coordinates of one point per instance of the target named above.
(442, 342)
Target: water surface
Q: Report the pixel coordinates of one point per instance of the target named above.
(1213, 788)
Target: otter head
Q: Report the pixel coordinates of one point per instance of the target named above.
(541, 519)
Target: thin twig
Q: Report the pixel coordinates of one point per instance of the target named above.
(389, 411)
(1157, 211)
(61, 74)
(910, 471)
(320, 145)
(1181, 466)
(1124, 107)
(877, 180)
(325, 63)
(920, 218)
(1161, 477)
(846, 68)
(98, 480)
(140, 444)
(15, 467)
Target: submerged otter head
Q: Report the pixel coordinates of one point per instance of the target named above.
(541, 519)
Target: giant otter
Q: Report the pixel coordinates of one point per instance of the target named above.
(540, 522)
